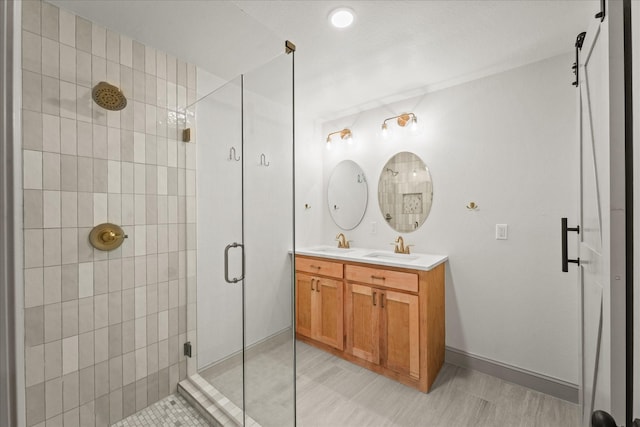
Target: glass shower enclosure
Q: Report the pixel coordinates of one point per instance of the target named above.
(239, 259)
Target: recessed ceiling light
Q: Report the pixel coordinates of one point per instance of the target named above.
(341, 17)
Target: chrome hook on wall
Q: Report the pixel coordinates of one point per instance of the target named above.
(263, 160)
(232, 154)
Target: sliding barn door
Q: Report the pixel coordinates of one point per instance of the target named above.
(602, 217)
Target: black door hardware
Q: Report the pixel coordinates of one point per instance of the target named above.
(565, 247)
(601, 14)
(603, 419)
(578, 46)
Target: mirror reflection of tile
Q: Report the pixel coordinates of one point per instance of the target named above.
(405, 195)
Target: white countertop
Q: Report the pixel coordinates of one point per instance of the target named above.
(379, 257)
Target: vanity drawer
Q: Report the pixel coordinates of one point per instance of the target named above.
(320, 267)
(381, 277)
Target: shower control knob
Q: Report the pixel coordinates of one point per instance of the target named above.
(107, 236)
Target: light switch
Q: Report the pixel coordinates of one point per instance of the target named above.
(501, 231)
(374, 227)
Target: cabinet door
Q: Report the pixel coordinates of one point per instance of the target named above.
(400, 333)
(305, 290)
(327, 308)
(363, 317)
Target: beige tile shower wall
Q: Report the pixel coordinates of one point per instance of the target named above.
(103, 330)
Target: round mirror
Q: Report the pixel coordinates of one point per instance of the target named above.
(347, 194)
(405, 192)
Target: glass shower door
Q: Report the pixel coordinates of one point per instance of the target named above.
(245, 336)
(218, 139)
(268, 225)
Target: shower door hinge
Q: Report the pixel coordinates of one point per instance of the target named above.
(187, 349)
(186, 135)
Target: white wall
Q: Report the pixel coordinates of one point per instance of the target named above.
(310, 189)
(507, 142)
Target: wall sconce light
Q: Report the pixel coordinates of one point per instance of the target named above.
(402, 120)
(345, 135)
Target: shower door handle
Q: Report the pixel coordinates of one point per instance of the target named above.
(226, 262)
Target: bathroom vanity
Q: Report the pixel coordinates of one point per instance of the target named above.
(380, 310)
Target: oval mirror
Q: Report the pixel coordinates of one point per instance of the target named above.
(347, 194)
(405, 192)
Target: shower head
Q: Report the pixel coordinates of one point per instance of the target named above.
(109, 97)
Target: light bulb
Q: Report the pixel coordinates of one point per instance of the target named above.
(349, 139)
(415, 173)
(329, 145)
(341, 17)
(414, 124)
(385, 130)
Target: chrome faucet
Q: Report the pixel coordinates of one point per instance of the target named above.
(400, 247)
(342, 241)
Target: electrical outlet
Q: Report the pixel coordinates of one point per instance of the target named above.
(501, 232)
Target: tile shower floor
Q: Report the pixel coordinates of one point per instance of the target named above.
(172, 411)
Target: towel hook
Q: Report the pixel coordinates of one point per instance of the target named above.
(263, 160)
(232, 154)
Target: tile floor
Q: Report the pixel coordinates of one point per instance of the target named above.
(268, 394)
(332, 392)
(172, 411)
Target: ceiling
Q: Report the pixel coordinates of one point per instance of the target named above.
(394, 50)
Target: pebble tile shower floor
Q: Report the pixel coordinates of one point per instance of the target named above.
(172, 411)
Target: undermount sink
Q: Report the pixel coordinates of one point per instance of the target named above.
(331, 250)
(392, 255)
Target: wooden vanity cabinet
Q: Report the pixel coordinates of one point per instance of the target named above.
(382, 328)
(393, 319)
(394, 342)
(319, 304)
(363, 322)
(400, 339)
